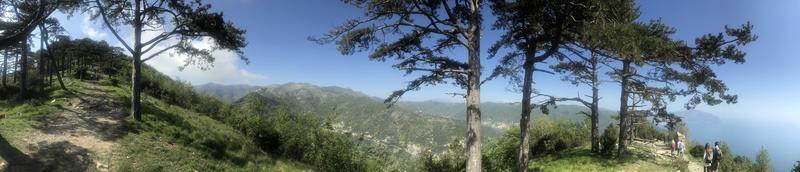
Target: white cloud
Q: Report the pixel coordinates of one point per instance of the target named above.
(227, 67)
(249, 75)
(88, 28)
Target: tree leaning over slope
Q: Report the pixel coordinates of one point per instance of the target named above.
(532, 27)
(51, 26)
(424, 31)
(189, 21)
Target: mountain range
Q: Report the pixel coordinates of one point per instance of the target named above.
(408, 127)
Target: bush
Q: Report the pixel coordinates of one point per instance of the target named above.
(547, 136)
(555, 135)
(302, 137)
(740, 163)
(647, 131)
(454, 159)
(608, 141)
(697, 151)
(501, 154)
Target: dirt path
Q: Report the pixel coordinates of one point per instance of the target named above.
(665, 154)
(79, 138)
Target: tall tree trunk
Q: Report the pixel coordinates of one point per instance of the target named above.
(137, 64)
(16, 68)
(5, 66)
(474, 89)
(42, 65)
(525, 117)
(59, 71)
(595, 109)
(56, 72)
(623, 108)
(23, 76)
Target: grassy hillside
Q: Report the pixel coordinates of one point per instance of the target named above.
(171, 138)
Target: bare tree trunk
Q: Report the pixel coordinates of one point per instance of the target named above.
(525, 117)
(16, 68)
(595, 108)
(137, 64)
(23, 76)
(57, 72)
(473, 142)
(623, 108)
(42, 65)
(5, 66)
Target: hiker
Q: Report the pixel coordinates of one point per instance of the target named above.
(672, 151)
(681, 147)
(717, 157)
(708, 158)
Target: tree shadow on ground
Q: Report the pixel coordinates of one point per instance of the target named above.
(107, 127)
(17, 161)
(58, 156)
(92, 112)
(62, 156)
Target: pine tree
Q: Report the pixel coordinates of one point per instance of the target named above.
(424, 30)
(189, 20)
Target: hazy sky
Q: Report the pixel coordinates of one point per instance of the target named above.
(280, 53)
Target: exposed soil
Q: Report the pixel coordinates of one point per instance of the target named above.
(80, 137)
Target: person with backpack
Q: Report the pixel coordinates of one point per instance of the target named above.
(717, 157)
(708, 158)
(672, 151)
(681, 147)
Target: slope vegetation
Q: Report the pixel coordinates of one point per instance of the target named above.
(87, 129)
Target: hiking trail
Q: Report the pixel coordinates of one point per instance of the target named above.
(78, 137)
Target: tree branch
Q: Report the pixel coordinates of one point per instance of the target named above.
(113, 31)
(159, 52)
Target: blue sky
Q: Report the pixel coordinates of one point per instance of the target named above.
(280, 53)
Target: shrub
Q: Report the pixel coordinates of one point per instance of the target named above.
(555, 135)
(454, 159)
(608, 140)
(501, 154)
(697, 151)
(647, 131)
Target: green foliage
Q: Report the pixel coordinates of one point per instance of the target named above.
(500, 154)
(727, 162)
(697, 151)
(740, 163)
(174, 139)
(647, 130)
(555, 135)
(453, 159)
(300, 136)
(796, 167)
(548, 136)
(763, 162)
(608, 140)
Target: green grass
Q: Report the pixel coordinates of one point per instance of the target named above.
(581, 159)
(171, 138)
(20, 119)
(175, 139)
